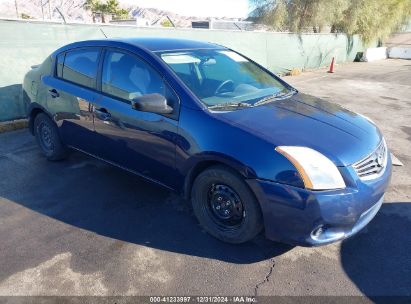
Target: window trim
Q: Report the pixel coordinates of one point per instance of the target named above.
(55, 74)
(176, 112)
(57, 63)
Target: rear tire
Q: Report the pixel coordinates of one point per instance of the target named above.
(48, 138)
(225, 206)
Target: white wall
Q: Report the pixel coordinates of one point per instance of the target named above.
(377, 53)
(399, 52)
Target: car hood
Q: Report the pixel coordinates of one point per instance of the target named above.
(343, 136)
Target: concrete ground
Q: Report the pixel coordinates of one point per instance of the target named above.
(81, 227)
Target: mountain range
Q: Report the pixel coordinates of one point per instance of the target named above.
(74, 11)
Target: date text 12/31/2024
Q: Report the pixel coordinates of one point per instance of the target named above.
(203, 299)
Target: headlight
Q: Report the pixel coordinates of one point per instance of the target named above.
(316, 170)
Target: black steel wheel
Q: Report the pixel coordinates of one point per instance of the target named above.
(225, 206)
(44, 133)
(48, 138)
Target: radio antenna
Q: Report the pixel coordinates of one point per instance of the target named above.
(103, 32)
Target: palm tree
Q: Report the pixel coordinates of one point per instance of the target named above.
(108, 7)
(93, 6)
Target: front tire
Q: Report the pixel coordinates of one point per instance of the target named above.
(48, 138)
(225, 206)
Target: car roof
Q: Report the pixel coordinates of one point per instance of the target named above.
(168, 44)
(153, 44)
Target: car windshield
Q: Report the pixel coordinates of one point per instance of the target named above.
(225, 79)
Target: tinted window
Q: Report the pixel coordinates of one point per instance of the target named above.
(182, 69)
(127, 77)
(60, 64)
(219, 77)
(221, 71)
(80, 66)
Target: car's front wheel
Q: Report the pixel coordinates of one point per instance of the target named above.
(48, 138)
(225, 206)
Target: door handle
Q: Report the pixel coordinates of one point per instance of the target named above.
(102, 114)
(54, 93)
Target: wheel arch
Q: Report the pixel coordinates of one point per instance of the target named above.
(203, 163)
(33, 111)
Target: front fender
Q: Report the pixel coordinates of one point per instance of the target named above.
(204, 138)
(218, 158)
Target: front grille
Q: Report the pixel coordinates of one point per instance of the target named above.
(374, 164)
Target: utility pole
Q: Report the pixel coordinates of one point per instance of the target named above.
(171, 21)
(17, 10)
(42, 9)
(61, 14)
(49, 9)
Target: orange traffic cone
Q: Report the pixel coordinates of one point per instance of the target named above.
(331, 70)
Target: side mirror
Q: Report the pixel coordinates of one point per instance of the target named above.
(154, 103)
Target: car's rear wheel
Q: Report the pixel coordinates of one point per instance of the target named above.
(225, 206)
(48, 138)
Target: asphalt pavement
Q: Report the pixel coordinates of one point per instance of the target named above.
(83, 227)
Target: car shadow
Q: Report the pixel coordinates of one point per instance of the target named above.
(91, 195)
(378, 260)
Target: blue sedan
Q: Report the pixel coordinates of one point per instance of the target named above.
(248, 150)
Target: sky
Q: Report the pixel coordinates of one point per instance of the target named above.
(202, 8)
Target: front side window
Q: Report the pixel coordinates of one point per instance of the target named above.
(80, 66)
(222, 77)
(127, 77)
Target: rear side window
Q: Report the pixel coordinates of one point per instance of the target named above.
(80, 66)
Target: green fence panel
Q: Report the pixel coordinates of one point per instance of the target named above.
(26, 43)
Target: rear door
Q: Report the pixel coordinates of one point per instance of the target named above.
(71, 93)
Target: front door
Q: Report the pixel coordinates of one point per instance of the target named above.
(142, 142)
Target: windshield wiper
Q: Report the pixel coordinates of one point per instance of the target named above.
(231, 105)
(277, 96)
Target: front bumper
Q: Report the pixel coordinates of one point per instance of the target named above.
(311, 218)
